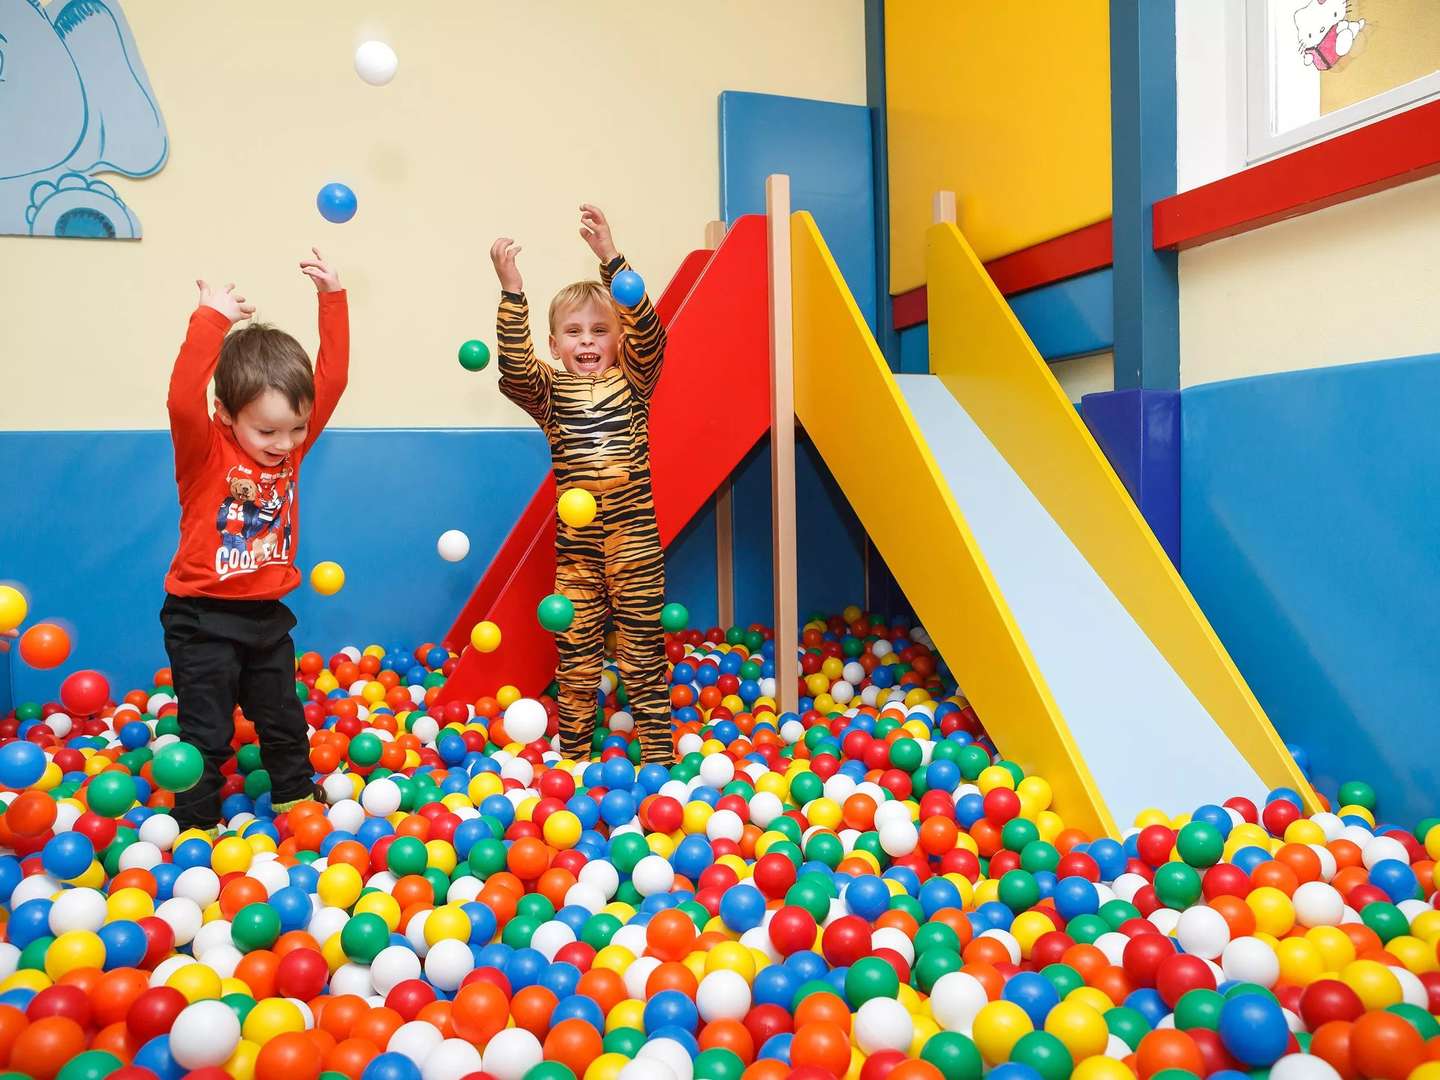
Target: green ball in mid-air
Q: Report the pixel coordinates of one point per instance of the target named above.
(178, 767)
(674, 617)
(556, 613)
(474, 355)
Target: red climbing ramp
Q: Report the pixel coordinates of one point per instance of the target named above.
(711, 406)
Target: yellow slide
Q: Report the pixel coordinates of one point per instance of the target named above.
(1023, 555)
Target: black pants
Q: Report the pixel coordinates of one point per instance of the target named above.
(229, 652)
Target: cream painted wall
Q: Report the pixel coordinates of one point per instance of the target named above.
(1352, 283)
(502, 119)
(1081, 375)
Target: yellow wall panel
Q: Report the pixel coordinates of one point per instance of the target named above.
(1006, 103)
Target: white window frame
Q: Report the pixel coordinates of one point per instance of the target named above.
(1261, 144)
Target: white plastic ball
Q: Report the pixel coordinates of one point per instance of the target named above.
(211, 936)
(883, 1024)
(765, 807)
(511, 1054)
(854, 672)
(724, 825)
(1318, 904)
(1202, 931)
(448, 962)
(415, 1039)
(888, 937)
(669, 1054)
(168, 967)
(842, 692)
(652, 875)
(198, 884)
(1165, 919)
(525, 720)
(587, 896)
(1248, 959)
(956, 999)
(269, 873)
(337, 786)
(223, 959)
(1384, 847)
(425, 728)
(717, 770)
(326, 922)
(1112, 944)
(638, 974)
(451, 1060)
(77, 909)
(453, 544)
(381, 798)
(899, 838)
(1127, 885)
(415, 933)
(183, 916)
(204, 1035)
(375, 63)
(1303, 1067)
(351, 978)
(141, 855)
(9, 959)
(650, 1069)
(723, 995)
(160, 830)
(602, 875)
(347, 815)
(549, 938)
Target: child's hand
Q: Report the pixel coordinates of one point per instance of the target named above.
(5, 639)
(226, 301)
(595, 231)
(502, 254)
(320, 272)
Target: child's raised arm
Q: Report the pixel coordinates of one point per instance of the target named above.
(190, 379)
(643, 338)
(523, 378)
(332, 362)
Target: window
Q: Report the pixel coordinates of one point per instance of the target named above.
(1317, 67)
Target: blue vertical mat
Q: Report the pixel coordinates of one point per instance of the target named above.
(1071, 317)
(1139, 431)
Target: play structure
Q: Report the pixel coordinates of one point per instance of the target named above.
(1024, 556)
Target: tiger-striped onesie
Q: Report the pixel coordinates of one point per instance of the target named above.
(598, 427)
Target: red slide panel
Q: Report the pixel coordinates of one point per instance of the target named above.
(711, 406)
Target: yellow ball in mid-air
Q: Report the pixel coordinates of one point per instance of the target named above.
(577, 507)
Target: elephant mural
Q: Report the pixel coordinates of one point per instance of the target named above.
(75, 102)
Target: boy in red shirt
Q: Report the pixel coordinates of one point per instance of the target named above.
(226, 630)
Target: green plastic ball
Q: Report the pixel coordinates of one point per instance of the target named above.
(1357, 793)
(474, 355)
(110, 794)
(363, 936)
(178, 767)
(255, 926)
(955, 1055)
(365, 748)
(1200, 844)
(870, 977)
(555, 613)
(1199, 1009)
(718, 1063)
(1045, 1054)
(675, 617)
(407, 855)
(1019, 891)
(623, 1040)
(1387, 920)
(91, 1065)
(1127, 1024)
(1177, 885)
(906, 754)
(549, 1070)
(487, 857)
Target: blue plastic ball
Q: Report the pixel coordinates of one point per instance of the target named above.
(742, 908)
(671, 1008)
(1253, 1029)
(1034, 993)
(391, 1066)
(21, 764)
(67, 855)
(336, 203)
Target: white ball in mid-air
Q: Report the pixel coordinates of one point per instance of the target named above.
(375, 62)
(453, 545)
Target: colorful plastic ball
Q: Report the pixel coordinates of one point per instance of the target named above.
(674, 617)
(13, 608)
(44, 646)
(84, 693)
(67, 855)
(882, 1023)
(327, 578)
(205, 1034)
(337, 203)
(956, 999)
(998, 1026)
(474, 356)
(485, 637)
(375, 62)
(391, 1066)
(22, 763)
(1253, 1029)
(511, 1054)
(555, 612)
(91, 1065)
(178, 767)
(627, 287)
(110, 794)
(526, 720)
(453, 545)
(576, 507)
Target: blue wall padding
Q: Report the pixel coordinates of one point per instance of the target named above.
(1071, 317)
(830, 542)
(825, 149)
(1309, 528)
(90, 526)
(690, 568)
(915, 350)
(1139, 431)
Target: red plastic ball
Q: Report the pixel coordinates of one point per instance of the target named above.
(1154, 844)
(1143, 955)
(1329, 999)
(1001, 805)
(1278, 815)
(774, 874)
(153, 1012)
(792, 929)
(84, 693)
(1178, 975)
(302, 973)
(846, 940)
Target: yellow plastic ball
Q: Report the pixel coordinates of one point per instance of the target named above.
(334, 953)
(986, 889)
(485, 636)
(382, 904)
(1080, 1027)
(327, 578)
(925, 1029)
(1336, 948)
(576, 507)
(695, 817)
(731, 956)
(1416, 955)
(232, 855)
(131, 903)
(606, 1067)
(1101, 1068)
(614, 958)
(999, 1025)
(72, 950)
(1027, 929)
(1092, 996)
(825, 813)
(1151, 816)
(241, 1065)
(197, 981)
(1301, 961)
(25, 979)
(1426, 926)
(271, 1017)
(1274, 913)
(1428, 1071)
(562, 829)
(817, 684)
(339, 885)
(325, 682)
(1304, 831)
(507, 695)
(1373, 982)
(628, 1013)
(13, 607)
(1034, 793)
(373, 691)
(1049, 823)
(994, 776)
(447, 923)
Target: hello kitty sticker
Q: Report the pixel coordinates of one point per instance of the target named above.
(1326, 32)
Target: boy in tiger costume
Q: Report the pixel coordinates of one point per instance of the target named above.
(595, 412)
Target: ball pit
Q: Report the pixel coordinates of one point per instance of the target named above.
(863, 889)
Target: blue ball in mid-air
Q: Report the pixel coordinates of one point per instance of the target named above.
(627, 288)
(336, 203)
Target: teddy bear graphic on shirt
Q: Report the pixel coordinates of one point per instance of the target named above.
(239, 518)
(256, 520)
(1326, 32)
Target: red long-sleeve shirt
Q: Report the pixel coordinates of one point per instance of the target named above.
(240, 520)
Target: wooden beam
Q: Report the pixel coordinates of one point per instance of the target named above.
(942, 209)
(714, 233)
(782, 443)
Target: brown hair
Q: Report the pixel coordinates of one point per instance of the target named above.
(257, 358)
(579, 295)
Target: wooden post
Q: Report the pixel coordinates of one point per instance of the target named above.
(724, 506)
(782, 442)
(942, 208)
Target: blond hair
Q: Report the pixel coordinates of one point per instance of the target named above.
(578, 295)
